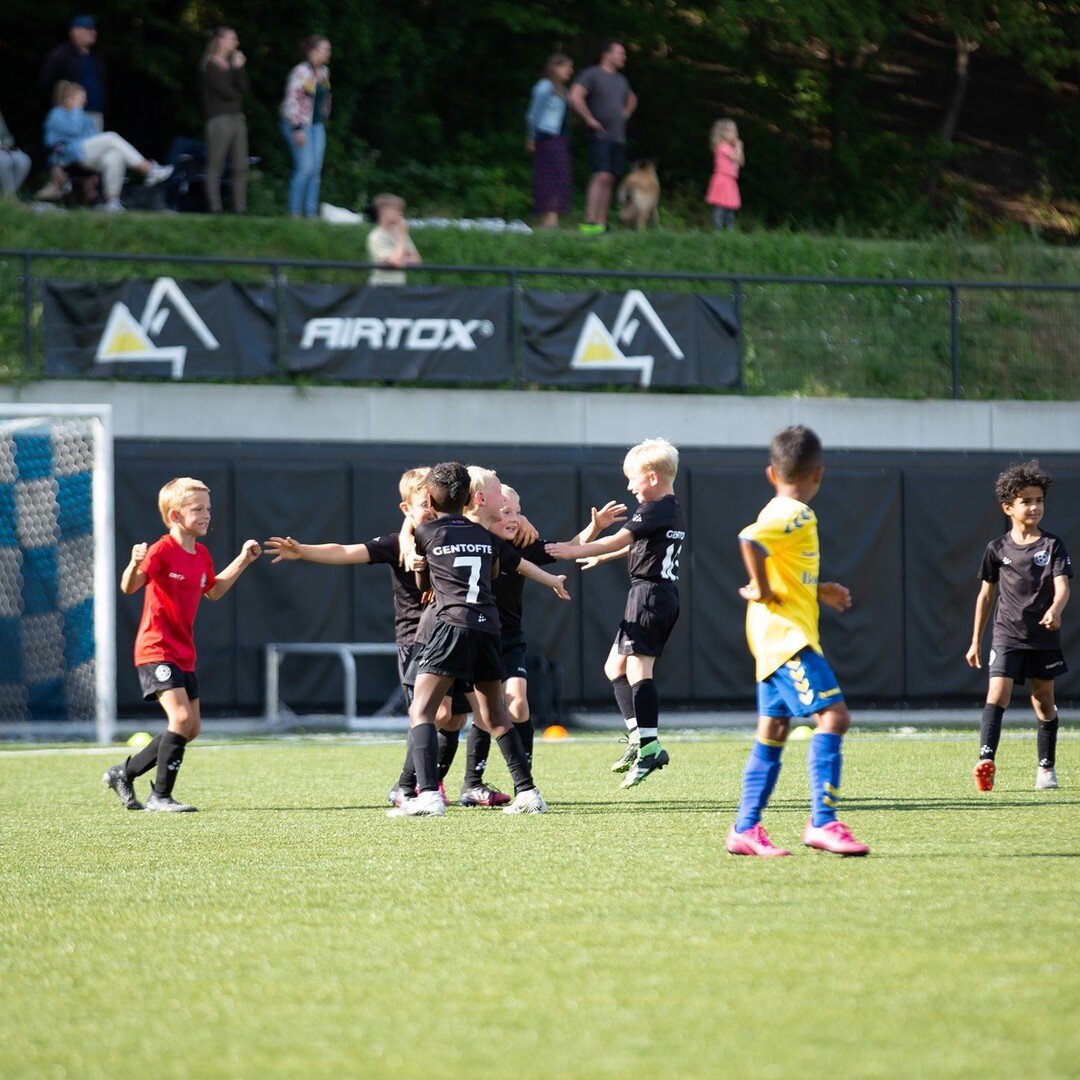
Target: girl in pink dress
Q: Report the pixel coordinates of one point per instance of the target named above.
(723, 193)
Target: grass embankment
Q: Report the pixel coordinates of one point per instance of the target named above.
(798, 339)
(289, 928)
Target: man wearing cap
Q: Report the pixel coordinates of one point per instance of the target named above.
(77, 61)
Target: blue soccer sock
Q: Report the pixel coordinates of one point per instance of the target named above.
(759, 779)
(824, 762)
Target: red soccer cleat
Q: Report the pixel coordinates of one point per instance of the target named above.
(755, 841)
(833, 836)
(984, 775)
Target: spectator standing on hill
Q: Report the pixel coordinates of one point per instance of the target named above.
(224, 84)
(14, 164)
(72, 139)
(304, 112)
(723, 194)
(389, 243)
(602, 97)
(77, 60)
(548, 140)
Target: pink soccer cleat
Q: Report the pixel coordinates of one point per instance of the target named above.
(833, 836)
(755, 841)
(984, 775)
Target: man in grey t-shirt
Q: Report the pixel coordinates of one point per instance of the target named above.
(602, 97)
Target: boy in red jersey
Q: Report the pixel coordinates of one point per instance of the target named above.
(177, 572)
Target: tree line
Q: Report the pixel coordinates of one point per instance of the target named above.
(868, 111)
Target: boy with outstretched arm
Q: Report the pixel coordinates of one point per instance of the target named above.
(1030, 570)
(509, 590)
(408, 606)
(461, 560)
(653, 540)
(177, 572)
(782, 558)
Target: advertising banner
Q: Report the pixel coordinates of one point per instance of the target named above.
(401, 332)
(178, 330)
(648, 339)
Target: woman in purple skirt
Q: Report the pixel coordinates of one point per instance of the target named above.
(548, 140)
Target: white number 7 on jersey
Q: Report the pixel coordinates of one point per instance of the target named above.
(473, 563)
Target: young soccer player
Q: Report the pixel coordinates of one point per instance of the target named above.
(653, 540)
(385, 550)
(782, 557)
(461, 559)
(1030, 570)
(177, 572)
(509, 595)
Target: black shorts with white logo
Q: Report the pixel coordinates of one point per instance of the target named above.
(513, 657)
(153, 678)
(652, 610)
(462, 653)
(1021, 664)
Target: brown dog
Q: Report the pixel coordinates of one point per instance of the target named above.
(638, 196)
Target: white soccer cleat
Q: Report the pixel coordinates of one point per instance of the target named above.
(426, 804)
(1045, 780)
(527, 802)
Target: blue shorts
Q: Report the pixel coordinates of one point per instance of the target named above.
(801, 687)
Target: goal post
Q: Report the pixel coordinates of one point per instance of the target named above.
(57, 572)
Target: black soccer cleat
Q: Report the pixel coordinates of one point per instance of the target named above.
(117, 779)
(167, 804)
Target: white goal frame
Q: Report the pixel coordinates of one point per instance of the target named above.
(103, 727)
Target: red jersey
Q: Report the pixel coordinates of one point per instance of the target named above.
(175, 583)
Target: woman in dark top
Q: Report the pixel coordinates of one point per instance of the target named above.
(224, 83)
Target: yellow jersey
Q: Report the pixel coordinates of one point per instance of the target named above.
(786, 530)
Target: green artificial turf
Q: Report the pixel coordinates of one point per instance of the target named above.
(291, 929)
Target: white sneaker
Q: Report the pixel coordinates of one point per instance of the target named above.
(1045, 779)
(157, 174)
(112, 206)
(426, 804)
(527, 802)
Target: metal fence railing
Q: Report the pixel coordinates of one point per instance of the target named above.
(815, 336)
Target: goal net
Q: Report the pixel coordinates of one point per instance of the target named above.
(57, 593)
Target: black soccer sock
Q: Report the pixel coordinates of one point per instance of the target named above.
(477, 749)
(170, 757)
(514, 755)
(624, 698)
(647, 710)
(424, 743)
(1046, 741)
(990, 731)
(145, 759)
(448, 744)
(525, 730)
(407, 780)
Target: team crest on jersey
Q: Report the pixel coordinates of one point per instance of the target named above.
(163, 673)
(1041, 558)
(202, 582)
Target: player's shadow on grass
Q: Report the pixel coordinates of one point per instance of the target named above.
(905, 805)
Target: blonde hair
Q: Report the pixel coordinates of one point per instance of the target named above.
(177, 492)
(479, 478)
(510, 493)
(412, 481)
(716, 136)
(388, 201)
(64, 89)
(653, 455)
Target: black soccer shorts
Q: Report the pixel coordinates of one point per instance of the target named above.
(153, 678)
(1020, 664)
(652, 610)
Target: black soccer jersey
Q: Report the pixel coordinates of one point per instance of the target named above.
(460, 558)
(387, 550)
(657, 528)
(510, 585)
(1024, 575)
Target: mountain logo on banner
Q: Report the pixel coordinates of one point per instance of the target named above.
(127, 339)
(600, 347)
